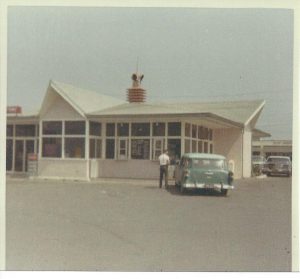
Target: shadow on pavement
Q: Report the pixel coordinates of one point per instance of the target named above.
(173, 190)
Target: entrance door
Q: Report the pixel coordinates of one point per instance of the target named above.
(22, 149)
(29, 148)
(9, 154)
(19, 155)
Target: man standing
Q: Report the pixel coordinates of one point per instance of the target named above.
(164, 162)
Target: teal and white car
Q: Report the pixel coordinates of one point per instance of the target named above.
(203, 171)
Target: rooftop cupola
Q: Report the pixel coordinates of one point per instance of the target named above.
(136, 94)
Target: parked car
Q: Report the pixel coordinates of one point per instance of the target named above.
(258, 163)
(203, 171)
(278, 165)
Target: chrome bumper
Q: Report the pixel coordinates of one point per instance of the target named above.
(207, 186)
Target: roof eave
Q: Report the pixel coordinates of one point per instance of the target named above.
(208, 115)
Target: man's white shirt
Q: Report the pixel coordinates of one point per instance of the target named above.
(164, 159)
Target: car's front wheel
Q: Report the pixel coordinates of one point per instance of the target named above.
(224, 192)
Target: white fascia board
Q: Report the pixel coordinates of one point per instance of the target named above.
(257, 111)
(67, 99)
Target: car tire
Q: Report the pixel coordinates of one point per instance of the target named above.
(224, 192)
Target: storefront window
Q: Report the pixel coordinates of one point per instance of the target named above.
(9, 154)
(194, 131)
(158, 129)
(25, 130)
(174, 149)
(210, 134)
(74, 127)
(95, 129)
(187, 146)
(200, 132)
(123, 129)
(140, 149)
(95, 148)
(9, 130)
(174, 129)
(187, 130)
(110, 149)
(52, 128)
(74, 147)
(194, 146)
(110, 129)
(157, 147)
(200, 149)
(51, 147)
(140, 129)
(205, 147)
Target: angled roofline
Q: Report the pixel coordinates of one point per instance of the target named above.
(66, 98)
(261, 106)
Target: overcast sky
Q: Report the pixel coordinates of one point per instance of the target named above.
(186, 54)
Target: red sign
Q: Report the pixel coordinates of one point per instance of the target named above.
(32, 157)
(14, 109)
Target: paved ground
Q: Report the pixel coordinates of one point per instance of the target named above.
(115, 225)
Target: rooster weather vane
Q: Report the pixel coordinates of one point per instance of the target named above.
(137, 79)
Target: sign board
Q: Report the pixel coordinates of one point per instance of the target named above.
(14, 109)
(32, 163)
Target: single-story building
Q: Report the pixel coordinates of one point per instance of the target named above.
(268, 148)
(80, 134)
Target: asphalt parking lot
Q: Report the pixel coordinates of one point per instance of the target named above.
(131, 225)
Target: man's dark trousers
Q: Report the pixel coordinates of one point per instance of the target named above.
(163, 172)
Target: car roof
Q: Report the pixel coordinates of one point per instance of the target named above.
(203, 156)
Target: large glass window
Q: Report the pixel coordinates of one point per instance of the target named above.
(9, 154)
(194, 131)
(200, 149)
(110, 149)
(158, 129)
(110, 129)
(74, 127)
(194, 146)
(157, 147)
(140, 129)
(51, 147)
(25, 130)
(52, 127)
(174, 148)
(9, 130)
(95, 148)
(174, 129)
(205, 147)
(187, 129)
(74, 147)
(140, 149)
(95, 129)
(123, 129)
(187, 146)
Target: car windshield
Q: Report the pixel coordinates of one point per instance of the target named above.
(278, 160)
(208, 163)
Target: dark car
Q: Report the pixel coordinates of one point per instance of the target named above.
(203, 171)
(278, 165)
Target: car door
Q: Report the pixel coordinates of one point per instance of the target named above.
(180, 170)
